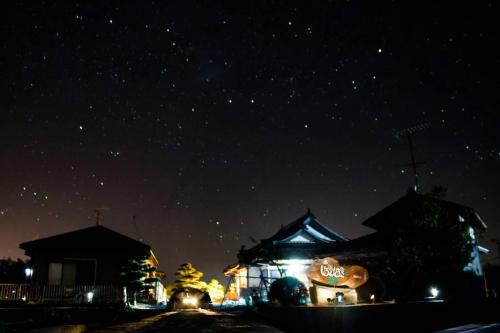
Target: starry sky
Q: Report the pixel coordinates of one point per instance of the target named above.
(213, 121)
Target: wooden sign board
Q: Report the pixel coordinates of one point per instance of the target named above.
(329, 272)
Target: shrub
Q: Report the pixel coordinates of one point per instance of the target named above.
(288, 291)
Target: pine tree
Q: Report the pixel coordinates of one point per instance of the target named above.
(216, 290)
(12, 271)
(187, 277)
(137, 276)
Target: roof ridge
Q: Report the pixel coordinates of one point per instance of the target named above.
(301, 223)
(76, 232)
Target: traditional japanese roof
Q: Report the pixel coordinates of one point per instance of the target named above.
(94, 239)
(403, 211)
(305, 237)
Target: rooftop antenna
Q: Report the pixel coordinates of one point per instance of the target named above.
(408, 132)
(98, 212)
(134, 218)
(97, 217)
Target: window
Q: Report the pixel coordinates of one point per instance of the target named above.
(69, 274)
(55, 273)
(61, 273)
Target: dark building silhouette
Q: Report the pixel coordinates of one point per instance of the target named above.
(90, 256)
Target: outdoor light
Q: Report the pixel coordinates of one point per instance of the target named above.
(29, 272)
(340, 297)
(471, 233)
(434, 292)
(294, 266)
(90, 296)
(190, 301)
(372, 298)
(295, 269)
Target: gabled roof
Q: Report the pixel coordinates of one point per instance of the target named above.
(403, 210)
(305, 237)
(307, 226)
(94, 239)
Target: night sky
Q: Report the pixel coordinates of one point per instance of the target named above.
(218, 120)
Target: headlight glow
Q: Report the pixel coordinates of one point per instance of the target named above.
(190, 301)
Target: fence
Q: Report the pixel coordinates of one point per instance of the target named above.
(71, 295)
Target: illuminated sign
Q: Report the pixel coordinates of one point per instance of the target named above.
(332, 271)
(329, 272)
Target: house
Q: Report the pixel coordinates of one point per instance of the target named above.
(290, 252)
(400, 217)
(92, 256)
(402, 212)
(306, 243)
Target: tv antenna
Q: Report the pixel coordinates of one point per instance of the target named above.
(408, 133)
(98, 212)
(134, 219)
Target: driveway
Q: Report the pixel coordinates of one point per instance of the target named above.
(192, 321)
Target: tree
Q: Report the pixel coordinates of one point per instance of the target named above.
(12, 271)
(187, 277)
(137, 276)
(216, 290)
(288, 291)
(431, 247)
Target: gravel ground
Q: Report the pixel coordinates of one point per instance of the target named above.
(192, 321)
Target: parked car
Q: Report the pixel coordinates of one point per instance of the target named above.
(189, 298)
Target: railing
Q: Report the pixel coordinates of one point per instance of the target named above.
(74, 295)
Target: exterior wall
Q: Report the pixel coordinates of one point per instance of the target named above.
(254, 274)
(327, 295)
(160, 293)
(89, 265)
(101, 269)
(475, 264)
(298, 269)
(91, 269)
(109, 267)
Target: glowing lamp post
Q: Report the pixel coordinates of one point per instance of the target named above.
(90, 296)
(29, 273)
(434, 292)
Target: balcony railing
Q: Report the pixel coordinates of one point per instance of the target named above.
(58, 294)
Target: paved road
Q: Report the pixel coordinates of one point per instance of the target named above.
(474, 328)
(192, 321)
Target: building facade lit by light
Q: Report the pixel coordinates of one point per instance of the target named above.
(296, 246)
